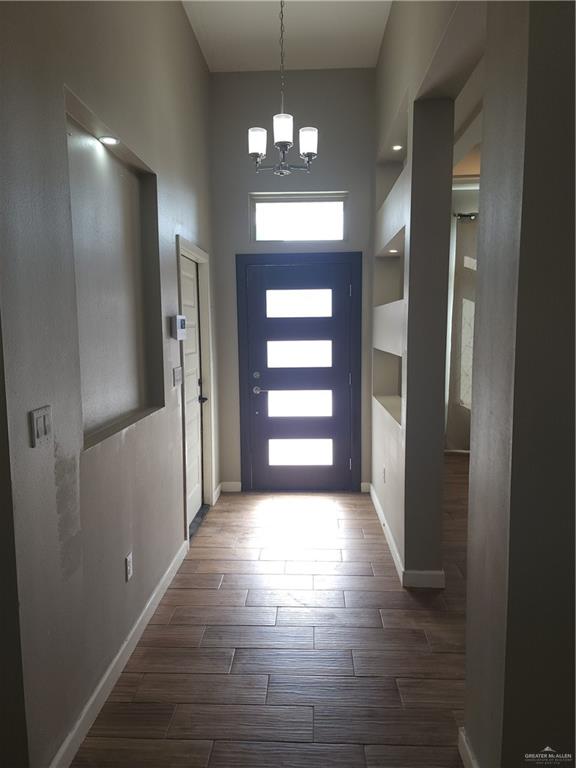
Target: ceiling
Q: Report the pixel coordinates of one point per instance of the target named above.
(240, 36)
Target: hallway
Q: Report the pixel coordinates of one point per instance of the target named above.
(286, 640)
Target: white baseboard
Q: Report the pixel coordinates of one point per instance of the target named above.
(231, 487)
(424, 579)
(388, 533)
(465, 750)
(365, 487)
(72, 742)
(216, 493)
(414, 579)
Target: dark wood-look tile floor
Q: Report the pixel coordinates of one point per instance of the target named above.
(285, 639)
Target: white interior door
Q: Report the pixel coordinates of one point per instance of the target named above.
(192, 391)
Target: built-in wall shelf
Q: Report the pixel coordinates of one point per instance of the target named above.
(389, 271)
(387, 381)
(392, 216)
(388, 327)
(392, 404)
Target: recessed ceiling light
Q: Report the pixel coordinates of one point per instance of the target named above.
(110, 141)
(393, 250)
(397, 147)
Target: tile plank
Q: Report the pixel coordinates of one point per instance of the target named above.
(443, 694)
(266, 581)
(175, 660)
(296, 598)
(318, 617)
(172, 636)
(204, 689)
(233, 566)
(446, 639)
(315, 690)
(383, 725)
(253, 661)
(299, 553)
(230, 754)
(241, 722)
(186, 580)
(386, 756)
(225, 553)
(359, 638)
(133, 720)
(409, 664)
(416, 599)
(329, 568)
(142, 753)
(362, 583)
(294, 638)
(196, 597)
(126, 687)
(216, 615)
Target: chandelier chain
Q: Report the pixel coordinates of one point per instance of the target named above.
(282, 74)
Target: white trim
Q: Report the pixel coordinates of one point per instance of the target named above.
(424, 579)
(388, 533)
(72, 742)
(465, 750)
(216, 494)
(194, 253)
(414, 579)
(365, 487)
(230, 487)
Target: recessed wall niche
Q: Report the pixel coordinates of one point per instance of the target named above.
(115, 237)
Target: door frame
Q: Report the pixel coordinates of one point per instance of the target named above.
(354, 260)
(208, 410)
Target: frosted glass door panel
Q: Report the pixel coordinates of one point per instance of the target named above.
(296, 452)
(316, 302)
(299, 354)
(300, 402)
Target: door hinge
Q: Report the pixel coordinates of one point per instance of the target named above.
(350, 464)
(350, 289)
(350, 379)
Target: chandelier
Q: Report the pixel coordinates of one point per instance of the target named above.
(283, 131)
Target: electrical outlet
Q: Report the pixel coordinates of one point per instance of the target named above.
(128, 565)
(384, 474)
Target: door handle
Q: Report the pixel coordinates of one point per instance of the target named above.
(258, 390)
(202, 399)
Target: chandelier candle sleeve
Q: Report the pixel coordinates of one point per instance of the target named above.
(283, 129)
(257, 141)
(308, 141)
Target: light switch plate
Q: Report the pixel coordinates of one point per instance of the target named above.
(40, 422)
(177, 376)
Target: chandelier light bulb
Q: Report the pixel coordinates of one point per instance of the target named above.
(257, 138)
(308, 141)
(283, 129)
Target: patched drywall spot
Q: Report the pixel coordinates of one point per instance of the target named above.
(68, 510)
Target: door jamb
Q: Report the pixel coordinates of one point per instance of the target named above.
(194, 253)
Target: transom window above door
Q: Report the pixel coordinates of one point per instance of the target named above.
(298, 217)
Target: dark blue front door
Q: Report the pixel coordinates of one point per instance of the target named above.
(299, 320)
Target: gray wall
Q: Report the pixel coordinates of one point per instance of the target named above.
(340, 104)
(77, 513)
(520, 609)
